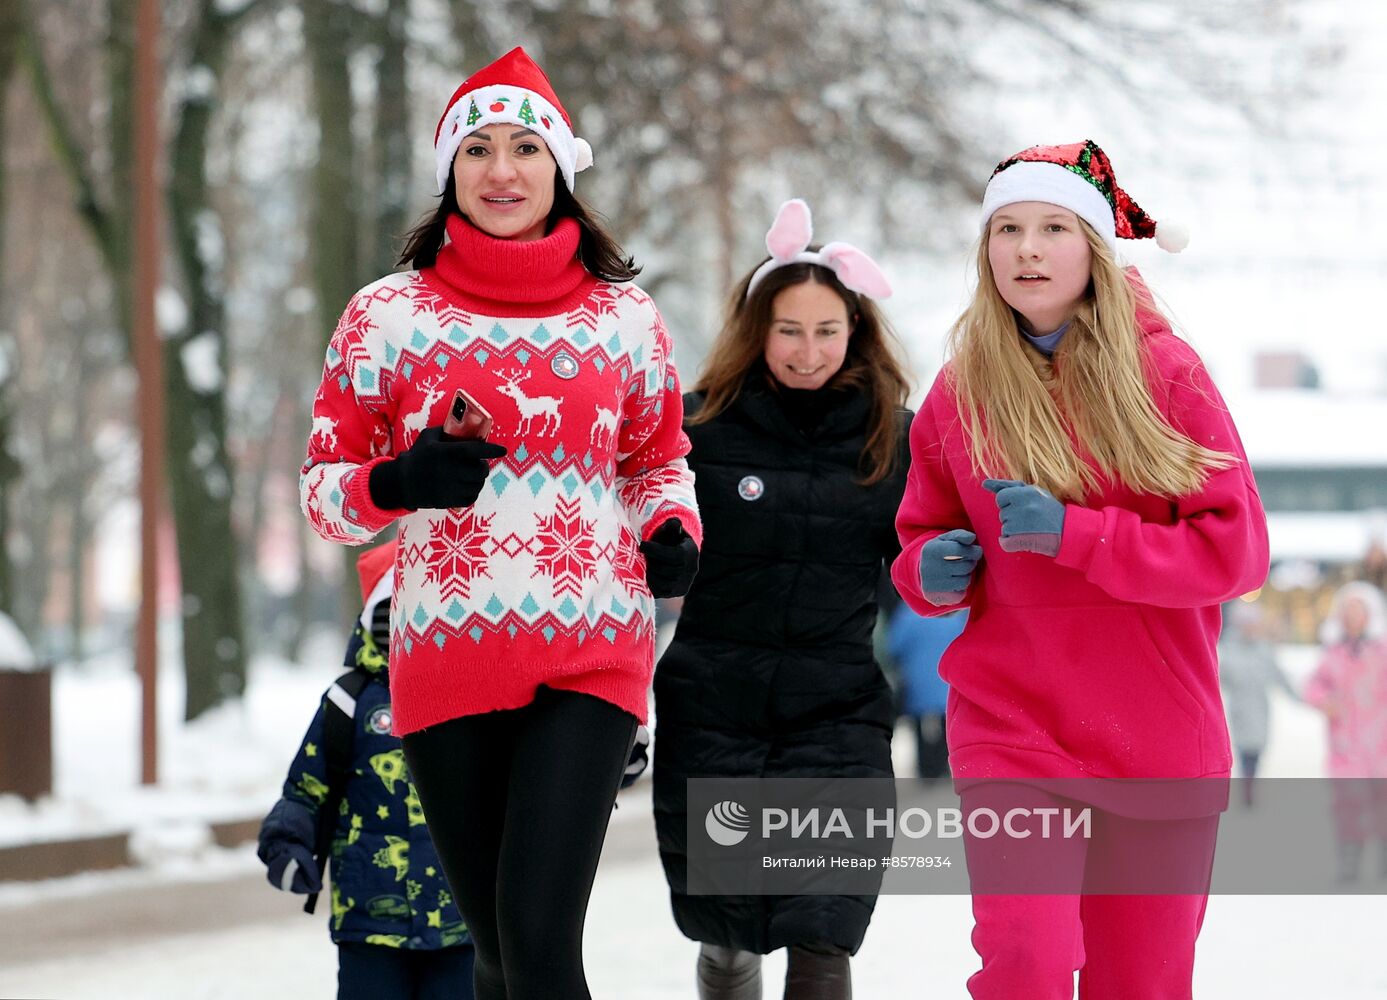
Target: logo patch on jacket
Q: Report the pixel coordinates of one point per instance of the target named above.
(379, 722)
(751, 488)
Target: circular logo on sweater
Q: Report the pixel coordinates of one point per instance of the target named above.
(380, 720)
(751, 488)
(727, 823)
(565, 366)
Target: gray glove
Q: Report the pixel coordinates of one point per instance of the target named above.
(946, 566)
(1032, 519)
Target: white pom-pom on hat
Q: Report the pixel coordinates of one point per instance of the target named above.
(1172, 237)
(584, 157)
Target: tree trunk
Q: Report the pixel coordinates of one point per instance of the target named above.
(394, 174)
(119, 212)
(336, 225)
(9, 468)
(302, 604)
(337, 196)
(33, 521)
(81, 464)
(200, 470)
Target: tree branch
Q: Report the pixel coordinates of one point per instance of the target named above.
(71, 157)
(234, 17)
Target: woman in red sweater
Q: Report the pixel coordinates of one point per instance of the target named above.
(522, 640)
(1077, 482)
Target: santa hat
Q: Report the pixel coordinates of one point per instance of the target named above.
(1078, 177)
(513, 90)
(375, 568)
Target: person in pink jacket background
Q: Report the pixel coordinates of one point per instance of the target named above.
(1350, 687)
(1078, 484)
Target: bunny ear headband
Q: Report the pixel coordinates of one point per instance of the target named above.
(788, 243)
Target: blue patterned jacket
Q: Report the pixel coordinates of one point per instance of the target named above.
(387, 884)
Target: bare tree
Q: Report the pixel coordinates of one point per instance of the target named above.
(706, 113)
(199, 471)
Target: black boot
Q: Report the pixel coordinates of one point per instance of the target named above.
(818, 972)
(728, 974)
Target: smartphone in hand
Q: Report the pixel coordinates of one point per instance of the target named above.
(467, 419)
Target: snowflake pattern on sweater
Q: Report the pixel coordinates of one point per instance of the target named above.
(542, 580)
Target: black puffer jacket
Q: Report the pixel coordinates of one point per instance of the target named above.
(771, 673)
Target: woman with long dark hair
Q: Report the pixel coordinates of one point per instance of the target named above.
(529, 556)
(799, 445)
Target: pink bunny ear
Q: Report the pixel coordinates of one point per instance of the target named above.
(791, 231)
(856, 270)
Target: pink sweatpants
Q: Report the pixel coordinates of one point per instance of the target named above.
(1125, 947)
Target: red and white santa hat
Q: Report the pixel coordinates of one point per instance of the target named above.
(375, 570)
(512, 90)
(1079, 177)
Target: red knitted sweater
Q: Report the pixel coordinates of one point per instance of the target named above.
(541, 581)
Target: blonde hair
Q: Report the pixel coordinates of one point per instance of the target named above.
(1018, 409)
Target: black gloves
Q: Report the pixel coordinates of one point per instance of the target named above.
(671, 560)
(436, 472)
(293, 869)
(284, 836)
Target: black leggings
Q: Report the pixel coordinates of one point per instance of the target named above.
(517, 804)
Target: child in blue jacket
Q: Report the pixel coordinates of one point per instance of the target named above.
(397, 930)
(916, 644)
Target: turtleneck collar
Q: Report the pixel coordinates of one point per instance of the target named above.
(830, 412)
(804, 407)
(1046, 343)
(496, 277)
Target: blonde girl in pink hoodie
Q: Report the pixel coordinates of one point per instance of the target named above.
(1077, 482)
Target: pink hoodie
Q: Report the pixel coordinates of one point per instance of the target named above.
(1099, 662)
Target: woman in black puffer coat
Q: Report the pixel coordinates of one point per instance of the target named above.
(800, 453)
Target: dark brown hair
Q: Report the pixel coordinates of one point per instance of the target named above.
(601, 254)
(872, 362)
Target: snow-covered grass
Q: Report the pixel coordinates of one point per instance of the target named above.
(228, 764)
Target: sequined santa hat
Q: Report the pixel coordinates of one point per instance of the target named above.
(1079, 177)
(512, 90)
